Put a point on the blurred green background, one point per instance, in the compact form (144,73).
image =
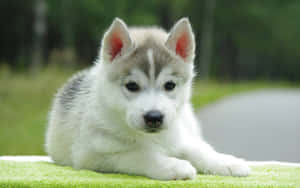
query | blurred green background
(241,46)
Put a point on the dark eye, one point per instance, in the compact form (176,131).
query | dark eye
(169,86)
(132,86)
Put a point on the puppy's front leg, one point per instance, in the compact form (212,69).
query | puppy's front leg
(208,161)
(153,165)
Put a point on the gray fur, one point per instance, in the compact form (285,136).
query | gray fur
(161,57)
(138,59)
(72,89)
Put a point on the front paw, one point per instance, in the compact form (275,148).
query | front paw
(226,165)
(176,169)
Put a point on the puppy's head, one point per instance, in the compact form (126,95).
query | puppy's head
(147,73)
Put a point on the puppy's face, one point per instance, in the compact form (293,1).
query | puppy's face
(151,81)
(155,88)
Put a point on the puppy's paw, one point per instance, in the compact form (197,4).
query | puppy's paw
(239,168)
(183,170)
(227,165)
(178,170)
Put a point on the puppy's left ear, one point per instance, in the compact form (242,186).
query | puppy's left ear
(181,40)
(116,41)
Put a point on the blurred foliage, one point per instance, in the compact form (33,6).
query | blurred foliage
(252,39)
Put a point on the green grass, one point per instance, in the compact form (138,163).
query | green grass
(26,99)
(42,174)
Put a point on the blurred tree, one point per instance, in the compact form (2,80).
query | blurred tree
(39,34)
(16,32)
(206,48)
(67,21)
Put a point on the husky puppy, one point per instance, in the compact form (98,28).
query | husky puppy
(131,113)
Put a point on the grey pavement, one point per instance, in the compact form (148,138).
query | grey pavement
(260,125)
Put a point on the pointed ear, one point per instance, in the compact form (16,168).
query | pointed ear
(181,40)
(116,41)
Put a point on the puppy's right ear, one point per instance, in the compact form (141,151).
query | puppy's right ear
(181,40)
(116,41)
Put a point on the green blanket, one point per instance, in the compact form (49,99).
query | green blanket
(43,174)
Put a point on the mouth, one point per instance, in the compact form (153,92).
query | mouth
(152,130)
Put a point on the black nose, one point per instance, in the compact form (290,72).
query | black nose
(153,119)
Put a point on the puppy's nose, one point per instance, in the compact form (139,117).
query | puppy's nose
(153,119)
